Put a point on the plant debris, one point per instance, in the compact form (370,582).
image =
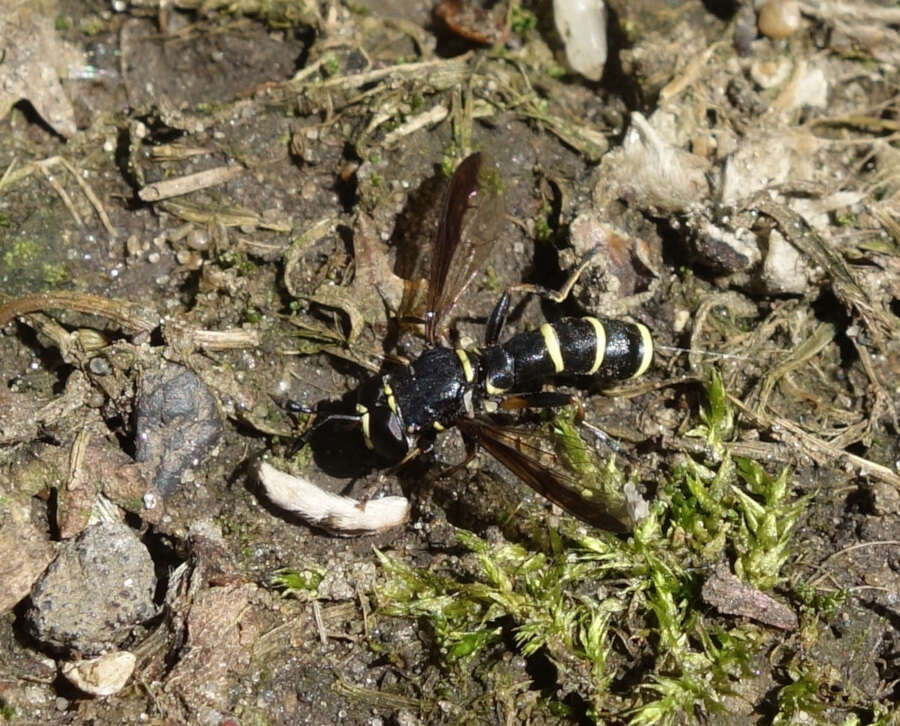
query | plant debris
(729,595)
(242,195)
(34,59)
(342,516)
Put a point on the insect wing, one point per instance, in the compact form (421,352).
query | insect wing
(529,456)
(471,218)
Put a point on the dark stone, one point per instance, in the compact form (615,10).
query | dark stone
(177,424)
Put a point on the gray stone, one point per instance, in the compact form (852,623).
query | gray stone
(99,587)
(177,424)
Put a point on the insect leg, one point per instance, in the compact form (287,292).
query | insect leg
(542,399)
(496,320)
(471,450)
(303,439)
(412,454)
(555,399)
(498,315)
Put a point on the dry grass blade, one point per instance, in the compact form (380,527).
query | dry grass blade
(804,352)
(44,166)
(814,447)
(126,314)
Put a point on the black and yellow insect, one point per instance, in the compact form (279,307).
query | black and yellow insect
(401,412)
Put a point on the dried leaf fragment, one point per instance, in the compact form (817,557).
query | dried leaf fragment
(730,596)
(34,60)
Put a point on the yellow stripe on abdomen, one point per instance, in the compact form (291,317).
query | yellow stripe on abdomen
(551,341)
(646,350)
(600,342)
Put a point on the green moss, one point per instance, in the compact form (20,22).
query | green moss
(416,103)
(54,274)
(448,164)
(769,514)
(93,25)
(491,282)
(231,259)
(522,20)
(301,582)
(7,710)
(36,475)
(331,67)
(21,253)
(543,232)
(28,263)
(554,70)
(716,417)
(824,604)
(585,593)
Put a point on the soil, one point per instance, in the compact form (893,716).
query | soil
(742,189)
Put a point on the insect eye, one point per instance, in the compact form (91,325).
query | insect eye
(387,434)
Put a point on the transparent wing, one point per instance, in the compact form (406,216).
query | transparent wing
(471,218)
(555,469)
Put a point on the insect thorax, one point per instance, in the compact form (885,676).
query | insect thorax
(434,388)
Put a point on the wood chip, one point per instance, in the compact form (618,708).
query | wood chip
(730,596)
(190,183)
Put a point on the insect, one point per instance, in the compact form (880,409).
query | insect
(401,412)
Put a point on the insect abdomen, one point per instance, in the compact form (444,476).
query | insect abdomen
(609,349)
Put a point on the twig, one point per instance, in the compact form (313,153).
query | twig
(62,193)
(189,183)
(126,314)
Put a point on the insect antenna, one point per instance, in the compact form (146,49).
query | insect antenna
(303,439)
(697,351)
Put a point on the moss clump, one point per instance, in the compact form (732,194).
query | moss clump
(622,620)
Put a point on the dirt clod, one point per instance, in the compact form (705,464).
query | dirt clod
(98,588)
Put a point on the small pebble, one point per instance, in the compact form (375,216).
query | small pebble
(198,239)
(582,26)
(101,676)
(98,588)
(779,19)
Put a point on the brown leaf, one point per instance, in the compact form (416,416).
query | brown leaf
(34,60)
